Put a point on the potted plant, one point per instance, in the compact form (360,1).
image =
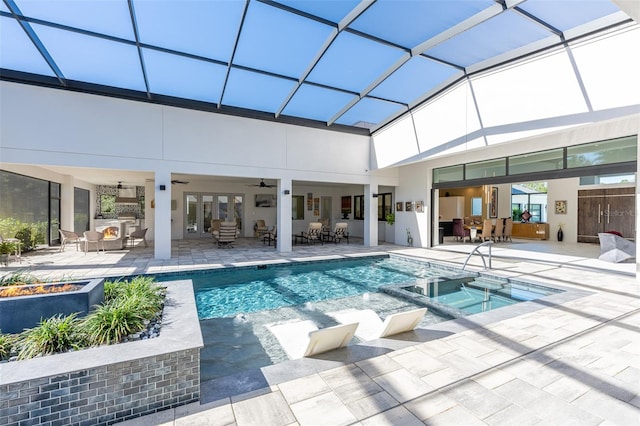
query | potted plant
(6,248)
(389,232)
(391,218)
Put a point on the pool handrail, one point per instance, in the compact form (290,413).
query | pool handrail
(477,249)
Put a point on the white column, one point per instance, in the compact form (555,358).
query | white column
(67,200)
(162,215)
(284,215)
(370,216)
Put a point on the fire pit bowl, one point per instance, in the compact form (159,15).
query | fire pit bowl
(20,312)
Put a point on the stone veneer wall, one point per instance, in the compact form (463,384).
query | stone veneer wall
(112,383)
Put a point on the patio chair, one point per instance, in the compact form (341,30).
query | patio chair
(459,230)
(215,228)
(93,237)
(227,234)
(140,234)
(271,235)
(371,327)
(303,338)
(614,248)
(68,237)
(261,227)
(340,232)
(314,233)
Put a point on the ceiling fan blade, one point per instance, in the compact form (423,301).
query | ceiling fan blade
(182,182)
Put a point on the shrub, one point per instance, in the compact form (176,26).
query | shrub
(128,307)
(18,278)
(113,321)
(7,341)
(148,293)
(56,334)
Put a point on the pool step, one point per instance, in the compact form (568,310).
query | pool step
(490,283)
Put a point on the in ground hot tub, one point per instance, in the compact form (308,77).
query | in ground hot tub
(20,312)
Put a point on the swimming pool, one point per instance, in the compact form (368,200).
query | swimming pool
(227,293)
(235,305)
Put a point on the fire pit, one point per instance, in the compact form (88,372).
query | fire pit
(24,306)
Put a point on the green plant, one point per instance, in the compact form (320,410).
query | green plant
(128,305)
(18,278)
(7,341)
(7,247)
(26,238)
(114,320)
(390,218)
(515,214)
(55,334)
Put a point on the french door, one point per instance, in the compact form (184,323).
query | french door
(200,208)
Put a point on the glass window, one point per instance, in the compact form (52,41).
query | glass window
(605,152)
(607,179)
(80,210)
(530,196)
(25,208)
(297,207)
(384,205)
(485,169)
(107,203)
(448,174)
(476,206)
(536,162)
(358,206)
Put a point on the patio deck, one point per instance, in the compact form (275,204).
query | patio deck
(571,362)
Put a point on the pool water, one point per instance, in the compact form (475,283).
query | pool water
(472,295)
(235,305)
(229,293)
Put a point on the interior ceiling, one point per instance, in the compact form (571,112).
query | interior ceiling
(347,64)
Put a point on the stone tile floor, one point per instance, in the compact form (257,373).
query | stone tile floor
(557,362)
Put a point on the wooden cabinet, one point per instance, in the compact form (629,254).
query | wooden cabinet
(600,210)
(535,231)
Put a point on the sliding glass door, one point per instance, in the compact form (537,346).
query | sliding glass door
(201,208)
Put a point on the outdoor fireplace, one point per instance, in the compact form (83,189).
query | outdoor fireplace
(45,301)
(111,232)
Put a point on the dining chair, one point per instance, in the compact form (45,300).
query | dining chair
(508,229)
(487,230)
(498,229)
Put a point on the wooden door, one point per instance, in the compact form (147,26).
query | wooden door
(611,209)
(590,214)
(620,211)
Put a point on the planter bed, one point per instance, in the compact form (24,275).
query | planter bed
(106,384)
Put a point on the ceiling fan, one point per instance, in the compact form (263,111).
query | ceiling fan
(181,182)
(262,184)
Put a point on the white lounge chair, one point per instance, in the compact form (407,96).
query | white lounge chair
(372,327)
(303,338)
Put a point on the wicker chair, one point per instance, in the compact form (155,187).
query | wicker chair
(68,237)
